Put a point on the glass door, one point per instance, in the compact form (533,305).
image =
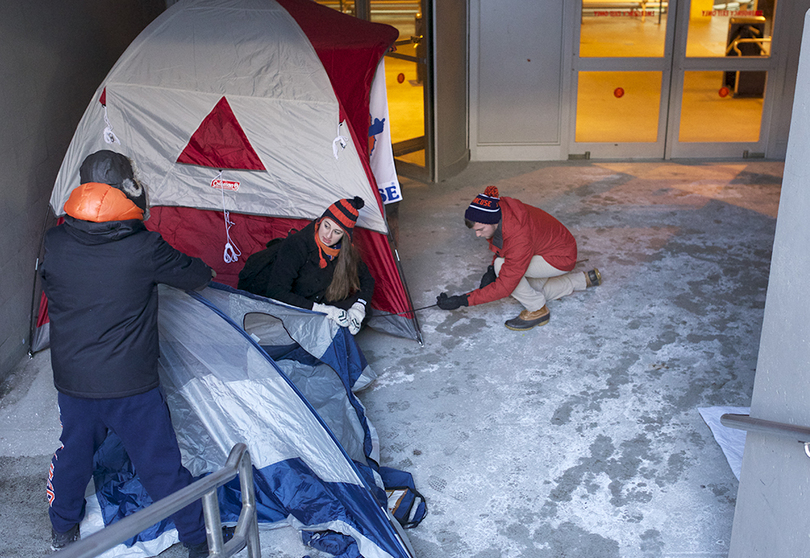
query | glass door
(722,69)
(622,72)
(657,79)
(406,76)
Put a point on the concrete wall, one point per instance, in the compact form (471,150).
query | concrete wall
(772,516)
(53,55)
(519,54)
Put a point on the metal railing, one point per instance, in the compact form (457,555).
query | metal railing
(245,534)
(760,42)
(799,434)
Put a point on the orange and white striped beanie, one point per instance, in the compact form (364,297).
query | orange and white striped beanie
(344,213)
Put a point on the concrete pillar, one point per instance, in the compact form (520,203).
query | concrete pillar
(772,516)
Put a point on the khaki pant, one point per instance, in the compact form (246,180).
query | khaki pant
(543,282)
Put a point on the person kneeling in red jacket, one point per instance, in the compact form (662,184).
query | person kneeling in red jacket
(529,244)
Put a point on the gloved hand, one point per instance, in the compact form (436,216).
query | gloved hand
(337,315)
(356,314)
(451,302)
(488,278)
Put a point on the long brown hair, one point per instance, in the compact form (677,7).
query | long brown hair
(346,280)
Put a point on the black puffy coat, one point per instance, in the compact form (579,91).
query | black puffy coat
(297,278)
(101,282)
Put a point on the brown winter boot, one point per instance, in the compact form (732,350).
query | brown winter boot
(593,278)
(527,320)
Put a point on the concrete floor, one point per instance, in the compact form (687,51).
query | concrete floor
(578,439)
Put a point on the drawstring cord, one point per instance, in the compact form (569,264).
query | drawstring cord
(406,312)
(339,141)
(109,135)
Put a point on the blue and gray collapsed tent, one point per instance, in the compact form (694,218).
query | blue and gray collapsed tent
(242,368)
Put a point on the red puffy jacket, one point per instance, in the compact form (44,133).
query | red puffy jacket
(527,231)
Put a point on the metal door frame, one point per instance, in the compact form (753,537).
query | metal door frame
(681,64)
(363,11)
(672,66)
(426,141)
(626,150)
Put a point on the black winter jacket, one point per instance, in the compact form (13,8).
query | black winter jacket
(297,278)
(101,283)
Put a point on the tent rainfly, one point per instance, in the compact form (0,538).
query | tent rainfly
(280,379)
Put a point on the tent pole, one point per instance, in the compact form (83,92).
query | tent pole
(392,245)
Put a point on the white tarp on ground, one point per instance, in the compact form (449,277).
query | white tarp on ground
(731,440)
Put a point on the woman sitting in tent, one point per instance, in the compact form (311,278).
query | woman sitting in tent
(319,268)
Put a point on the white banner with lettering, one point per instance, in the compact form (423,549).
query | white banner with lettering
(379,138)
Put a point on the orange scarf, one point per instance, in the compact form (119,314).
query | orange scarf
(332,253)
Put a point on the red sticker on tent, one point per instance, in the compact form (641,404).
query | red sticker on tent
(225,184)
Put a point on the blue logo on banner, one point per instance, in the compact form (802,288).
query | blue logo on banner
(376,128)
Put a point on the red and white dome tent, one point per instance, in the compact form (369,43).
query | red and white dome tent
(246,118)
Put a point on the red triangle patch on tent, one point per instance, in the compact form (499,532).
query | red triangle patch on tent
(219,142)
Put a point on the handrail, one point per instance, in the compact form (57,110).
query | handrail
(799,434)
(755,40)
(247,527)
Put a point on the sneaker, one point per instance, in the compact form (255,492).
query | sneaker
(61,540)
(527,320)
(200,550)
(593,278)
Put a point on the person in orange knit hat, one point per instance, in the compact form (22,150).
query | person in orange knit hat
(319,268)
(530,246)
(100,274)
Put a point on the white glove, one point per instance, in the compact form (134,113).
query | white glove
(337,315)
(356,314)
